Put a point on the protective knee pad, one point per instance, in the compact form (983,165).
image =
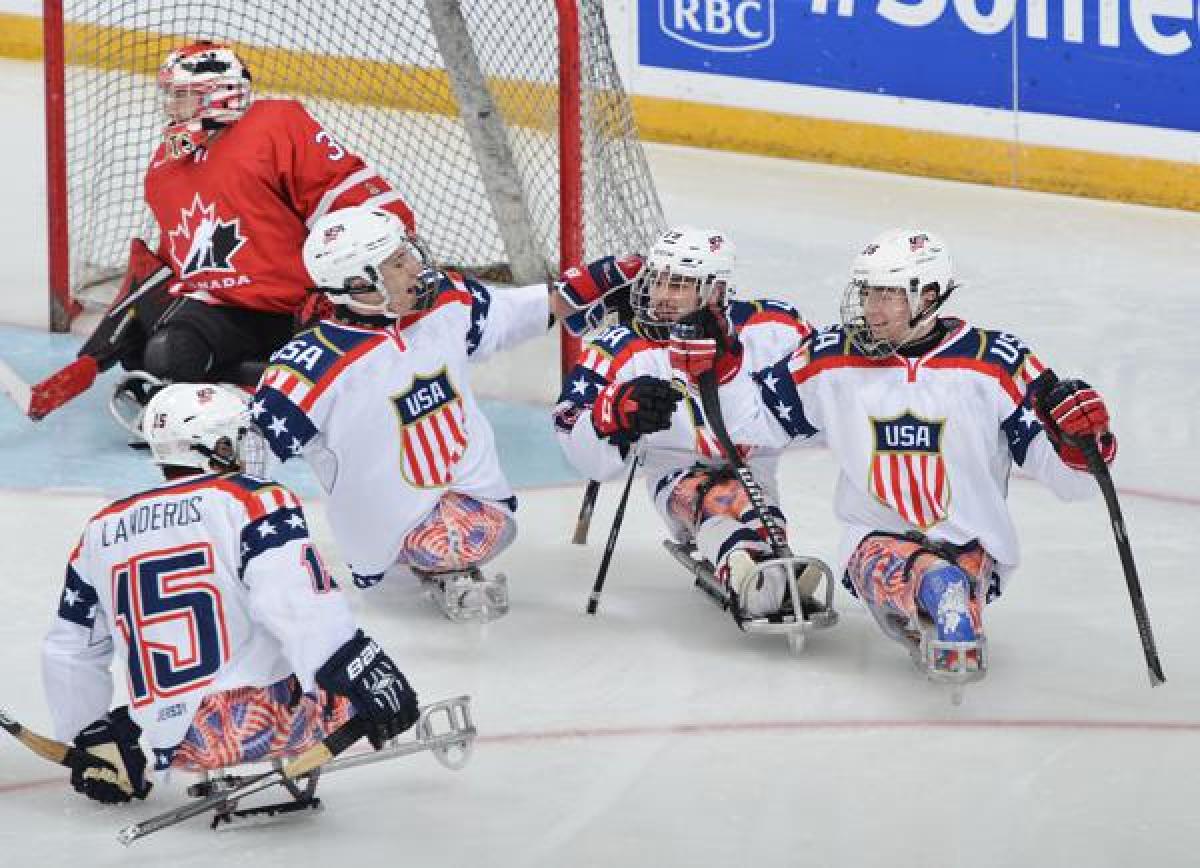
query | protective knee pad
(945,595)
(178,354)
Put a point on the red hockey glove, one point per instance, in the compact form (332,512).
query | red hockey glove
(1072,412)
(583,287)
(705,341)
(625,411)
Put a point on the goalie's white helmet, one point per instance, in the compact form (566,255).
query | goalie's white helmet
(687,269)
(908,261)
(204,87)
(345,249)
(204,426)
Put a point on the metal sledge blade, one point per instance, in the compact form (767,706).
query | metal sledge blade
(444,728)
(790,625)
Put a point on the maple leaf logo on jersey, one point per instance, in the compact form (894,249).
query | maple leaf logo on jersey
(203,241)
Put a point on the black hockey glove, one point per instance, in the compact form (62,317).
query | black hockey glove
(623,412)
(113,769)
(364,674)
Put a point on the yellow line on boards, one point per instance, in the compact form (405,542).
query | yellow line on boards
(874,146)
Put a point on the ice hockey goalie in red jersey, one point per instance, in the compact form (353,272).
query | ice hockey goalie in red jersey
(233,186)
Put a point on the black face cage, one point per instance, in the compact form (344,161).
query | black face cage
(642,304)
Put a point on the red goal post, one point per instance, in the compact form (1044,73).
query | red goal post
(505,124)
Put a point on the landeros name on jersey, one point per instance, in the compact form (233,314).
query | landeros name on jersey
(203,241)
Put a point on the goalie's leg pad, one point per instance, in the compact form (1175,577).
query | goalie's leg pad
(249,724)
(460,532)
(178,353)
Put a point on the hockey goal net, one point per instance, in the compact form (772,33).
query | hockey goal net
(503,122)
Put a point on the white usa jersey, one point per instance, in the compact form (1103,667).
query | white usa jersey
(386,417)
(923,444)
(767,329)
(200,585)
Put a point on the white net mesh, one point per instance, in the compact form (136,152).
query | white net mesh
(373,73)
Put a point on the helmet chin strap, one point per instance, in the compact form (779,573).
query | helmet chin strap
(930,309)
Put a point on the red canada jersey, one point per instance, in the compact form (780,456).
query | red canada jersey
(233,216)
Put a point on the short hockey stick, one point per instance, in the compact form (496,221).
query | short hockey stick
(315,756)
(46,748)
(458,737)
(14,385)
(584,522)
(1099,470)
(601,574)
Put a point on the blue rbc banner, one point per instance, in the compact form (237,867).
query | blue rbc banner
(1131,61)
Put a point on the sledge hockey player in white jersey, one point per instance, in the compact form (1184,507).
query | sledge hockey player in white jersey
(378,401)
(925,415)
(238,645)
(635,388)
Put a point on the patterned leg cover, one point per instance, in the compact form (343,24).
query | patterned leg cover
(715,511)
(899,579)
(249,724)
(459,533)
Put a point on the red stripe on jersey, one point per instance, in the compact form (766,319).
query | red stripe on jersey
(807,372)
(411,457)
(457,294)
(913,468)
(988,369)
(636,345)
(897,495)
(762,317)
(441,440)
(426,446)
(169,491)
(939,485)
(877,477)
(460,436)
(337,367)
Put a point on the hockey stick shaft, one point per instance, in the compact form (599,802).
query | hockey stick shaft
(315,756)
(1137,599)
(46,748)
(14,385)
(584,522)
(602,573)
(710,401)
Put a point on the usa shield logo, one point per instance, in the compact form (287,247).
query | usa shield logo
(433,431)
(907,471)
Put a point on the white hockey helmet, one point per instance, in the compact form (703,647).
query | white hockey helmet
(910,260)
(204,87)
(682,258)
(345,248)
(204,426)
